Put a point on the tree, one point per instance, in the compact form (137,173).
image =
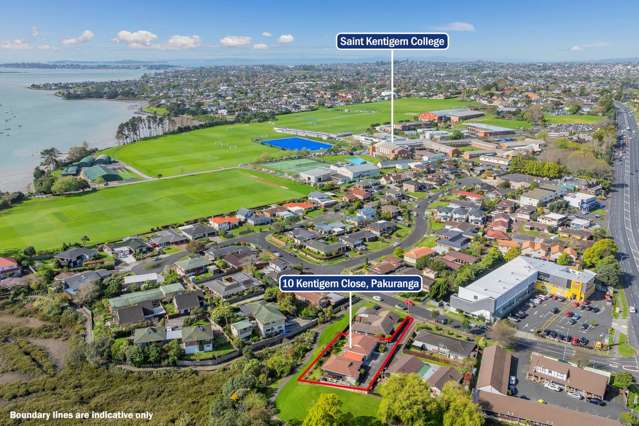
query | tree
(600,249)
(622,380)
(534,115)
(49,158)
(86,294)
(608,271)
(503,333)
(68,184)
(327,411)
(222,311)
(270,294)
(398,252)
(459,409)
(512,253)
(564,259)
(629,418)
(406,400)
(135,355)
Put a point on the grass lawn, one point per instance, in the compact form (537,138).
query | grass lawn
(429,241)
(156,110)
(113,213)
(625,349)
(573,119)
(230,145)
(295,399)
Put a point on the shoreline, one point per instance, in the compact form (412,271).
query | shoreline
(17,176)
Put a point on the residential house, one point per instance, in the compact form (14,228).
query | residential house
(74,257)
(132,246)
(186,302)
(417,254)
(198,338)
(455,260)
(197,231)
(449,347)
(387,266)
(326,249)
(358,238)
(537,197)
(232,285)
(152,278)
(74,283)
(244,214)
(192,265)
(451,240)
(242,329)
(168,237)
(322,199)
(224,223)
(375,322)
(269,319)
(382,228)
(9,268)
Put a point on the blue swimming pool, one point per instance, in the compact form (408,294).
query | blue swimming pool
(297,144)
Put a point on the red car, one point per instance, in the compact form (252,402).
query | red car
(568,314)
(575,341)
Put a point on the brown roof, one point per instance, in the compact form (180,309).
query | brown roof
(362,345)
(443,375)
(543,414)
(495,369)
(405,364)
(343,366)
(314,298)
(578,378)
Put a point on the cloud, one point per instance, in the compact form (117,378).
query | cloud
(35,31)
(46,47)
(136,39)
(286,38)
(581,47)
(82,38)
(261,46)
(267,34)
(14,44)
(457,26)
(183,42)
(235,41)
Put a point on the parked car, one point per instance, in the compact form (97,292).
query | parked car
(568,314)
(555,310)
(553,386)
(575,395)
(513,380)
(377,298)
(596,401)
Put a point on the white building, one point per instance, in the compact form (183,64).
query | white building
(582,201)
(497,293)
(358,171)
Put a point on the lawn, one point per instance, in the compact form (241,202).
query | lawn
(295,399)
(229,145)
(116,212)
(573,119)
(334,159)
(625,349)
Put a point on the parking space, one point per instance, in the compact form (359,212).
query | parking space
(536,391)
(591,321)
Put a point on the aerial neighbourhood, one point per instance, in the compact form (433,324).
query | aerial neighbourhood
(147,273)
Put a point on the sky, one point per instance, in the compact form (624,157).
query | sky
(303,31)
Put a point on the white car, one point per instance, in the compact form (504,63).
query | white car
(632,309)
(575,395)
(553,386)
(513,380)
(377,298)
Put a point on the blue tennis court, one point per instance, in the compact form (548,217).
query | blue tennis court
(297,144)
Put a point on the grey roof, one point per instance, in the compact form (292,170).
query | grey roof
(456,346)
(73,253)
(73,283)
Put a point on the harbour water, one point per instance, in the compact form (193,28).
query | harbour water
(32,120)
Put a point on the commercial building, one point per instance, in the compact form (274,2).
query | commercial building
(495,294)
(358,171)
(480,130)
(456,115)
(587,382)
(491,394)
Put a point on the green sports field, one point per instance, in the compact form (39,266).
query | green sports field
(230,145)
(573,119)
(113,213)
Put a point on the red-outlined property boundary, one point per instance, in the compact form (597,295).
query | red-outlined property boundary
(402,329)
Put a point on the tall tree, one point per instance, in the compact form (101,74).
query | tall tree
(327,411)
(459,409)
(50,158)
(406,400)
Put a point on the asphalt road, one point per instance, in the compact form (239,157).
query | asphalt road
(624,211)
